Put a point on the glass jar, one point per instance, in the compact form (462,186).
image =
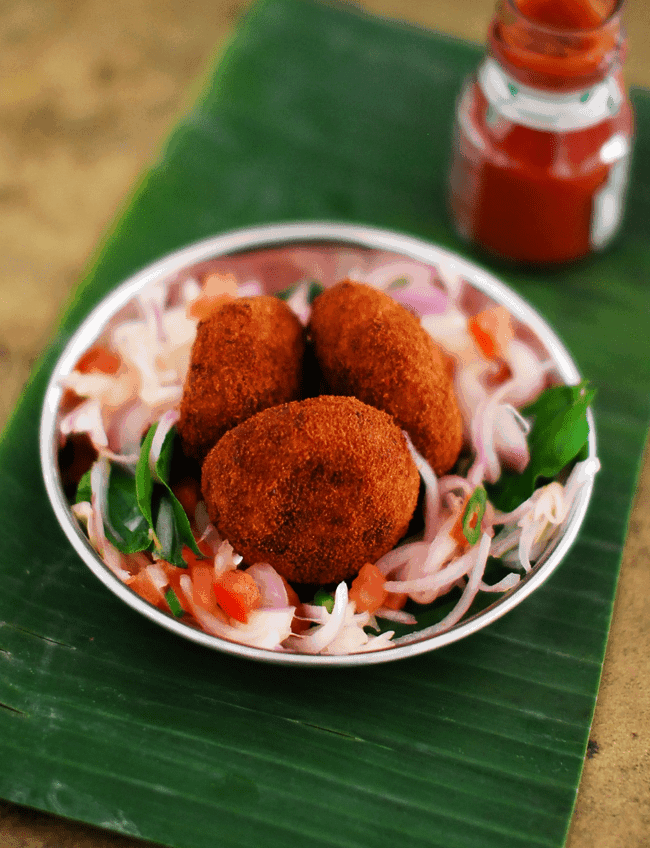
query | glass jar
(544,132)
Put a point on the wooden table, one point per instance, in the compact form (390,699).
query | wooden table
(87,92)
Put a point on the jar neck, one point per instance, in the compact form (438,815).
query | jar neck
(558,45)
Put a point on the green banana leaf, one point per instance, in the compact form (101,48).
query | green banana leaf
(318,111)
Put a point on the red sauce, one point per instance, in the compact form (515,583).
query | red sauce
(567,14)
(543,133)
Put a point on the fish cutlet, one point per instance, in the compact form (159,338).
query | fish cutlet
(373,348)
(247,356)
(316,487)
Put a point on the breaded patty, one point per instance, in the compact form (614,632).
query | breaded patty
(373,348)
(246,357)
(316,487)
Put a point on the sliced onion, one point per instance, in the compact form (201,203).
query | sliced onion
(377,643)
(508,582)
(436,581)
(470,591)
(424,300)
(314,642)
(252,288)
(226,559)
(272,589)
(158,578)
(398,556)
(528,373)
(398,616)
(431,492)
(387,273)
(165,424)
(86,418)
(510,444)
(298,302)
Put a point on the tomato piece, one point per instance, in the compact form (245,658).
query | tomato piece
(367,590)
(395,600)
(217,290)
(492,330)
(99,359)
(237,594)
(202,575)
(141,584)
(192,559)
(299,623)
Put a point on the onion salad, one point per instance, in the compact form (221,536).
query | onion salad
(480,529)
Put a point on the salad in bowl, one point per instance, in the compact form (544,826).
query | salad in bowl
(318,444)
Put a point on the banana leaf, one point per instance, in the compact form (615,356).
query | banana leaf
(318,111)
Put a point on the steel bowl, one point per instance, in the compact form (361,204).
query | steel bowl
(319,234)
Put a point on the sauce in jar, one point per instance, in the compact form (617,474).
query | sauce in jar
(543,133)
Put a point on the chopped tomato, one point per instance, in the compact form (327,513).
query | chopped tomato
(299,623)
(395,600)
(367,590)
(98,359)
(188,492)
(141,583)
(237,594)
(202,576)
(492,330)
(217,290)
(191,558)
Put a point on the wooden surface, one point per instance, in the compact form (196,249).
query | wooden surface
(88,91)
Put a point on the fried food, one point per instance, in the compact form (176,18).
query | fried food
(316,487)
(373,348)
(246,357)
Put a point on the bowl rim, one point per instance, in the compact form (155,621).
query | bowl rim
(274,236)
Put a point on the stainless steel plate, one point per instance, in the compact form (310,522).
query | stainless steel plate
(274,236)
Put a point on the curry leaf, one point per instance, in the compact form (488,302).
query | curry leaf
(130,526)
(84,491)
(558,435)
(144,482)
(162,466)
(170,542)
(154,494)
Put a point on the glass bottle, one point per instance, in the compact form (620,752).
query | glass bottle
(544,132)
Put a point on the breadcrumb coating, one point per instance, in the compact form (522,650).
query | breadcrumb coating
(373,348)
(316,487)
(246,357)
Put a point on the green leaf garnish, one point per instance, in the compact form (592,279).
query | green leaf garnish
(170,543)
(162,510)
(174,604)
(127,528)
(314,288)
(324,599)
(84,491)
(163,465)
(559,434)
(144,477)
(473,515)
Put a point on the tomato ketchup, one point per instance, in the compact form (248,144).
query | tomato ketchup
(544,132)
